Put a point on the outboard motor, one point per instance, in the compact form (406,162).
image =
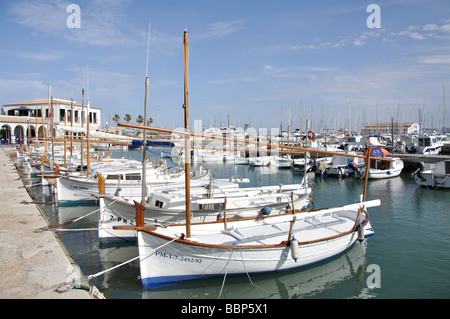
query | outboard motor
(352,169)
(420,166)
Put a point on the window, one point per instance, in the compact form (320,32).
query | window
(115,177)
(133,177)
(62,114)
(77,119)
(159,204)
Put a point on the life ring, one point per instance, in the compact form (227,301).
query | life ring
(311,135)
(346,133)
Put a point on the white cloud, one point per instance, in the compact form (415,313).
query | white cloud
(221,29)
(101,21)
(39,56)
(437,59)
(29,89)
(296,71)
(243,79)
(340,42)
(431,27)
(358,42)
(428,31)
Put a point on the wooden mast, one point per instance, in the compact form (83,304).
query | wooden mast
(187,136)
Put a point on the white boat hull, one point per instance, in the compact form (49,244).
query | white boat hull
(120,212)
(165,259)
(428,179)
(438,176)
(394,169)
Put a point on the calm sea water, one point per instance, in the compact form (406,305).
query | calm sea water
(408,257)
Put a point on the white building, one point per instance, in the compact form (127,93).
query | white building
(20,121)
(386,128)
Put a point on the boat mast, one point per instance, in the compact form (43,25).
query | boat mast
(88,118)
(187,136)
(443,93)
(144,132)
(82,126)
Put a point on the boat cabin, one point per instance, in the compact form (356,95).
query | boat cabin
(428,145)
(442,168)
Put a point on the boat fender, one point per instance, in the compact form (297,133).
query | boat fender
(360,233)
(118,192)
(266,210)
(288,207)
(219,216)
(295,253)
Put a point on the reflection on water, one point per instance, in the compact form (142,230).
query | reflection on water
(410,246)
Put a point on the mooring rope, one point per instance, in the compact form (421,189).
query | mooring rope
(245,268)
(441,182)
(132,259)
(226,271)
(248,275)
(77,281)
(52,227)
(77,229)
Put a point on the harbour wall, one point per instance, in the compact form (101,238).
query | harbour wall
(32,264)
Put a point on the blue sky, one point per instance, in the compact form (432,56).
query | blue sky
(254,61)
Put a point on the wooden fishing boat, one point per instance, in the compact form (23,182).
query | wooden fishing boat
(207,204)
(268,244)
(124,180)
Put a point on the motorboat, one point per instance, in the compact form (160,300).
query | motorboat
(379,169)
(428,145)
(433,175)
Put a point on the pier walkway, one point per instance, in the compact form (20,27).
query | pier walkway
(32,264)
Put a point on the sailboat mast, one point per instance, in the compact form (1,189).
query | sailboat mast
(144,132)
(186,137)
(443,93)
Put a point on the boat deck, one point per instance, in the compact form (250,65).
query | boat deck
(308,227)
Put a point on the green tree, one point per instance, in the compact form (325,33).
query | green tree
(116,118)
(139,119)
(150,122)
(127,118)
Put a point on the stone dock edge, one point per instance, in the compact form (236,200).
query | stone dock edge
(33,265)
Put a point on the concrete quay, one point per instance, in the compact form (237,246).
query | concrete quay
(32,264)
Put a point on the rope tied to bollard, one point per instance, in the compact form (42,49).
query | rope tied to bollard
(77,283)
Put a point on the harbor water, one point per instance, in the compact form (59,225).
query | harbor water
(408,257)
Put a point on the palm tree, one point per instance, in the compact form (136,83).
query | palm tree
(150,121)
(127,118)
(116,118)
(139,119)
